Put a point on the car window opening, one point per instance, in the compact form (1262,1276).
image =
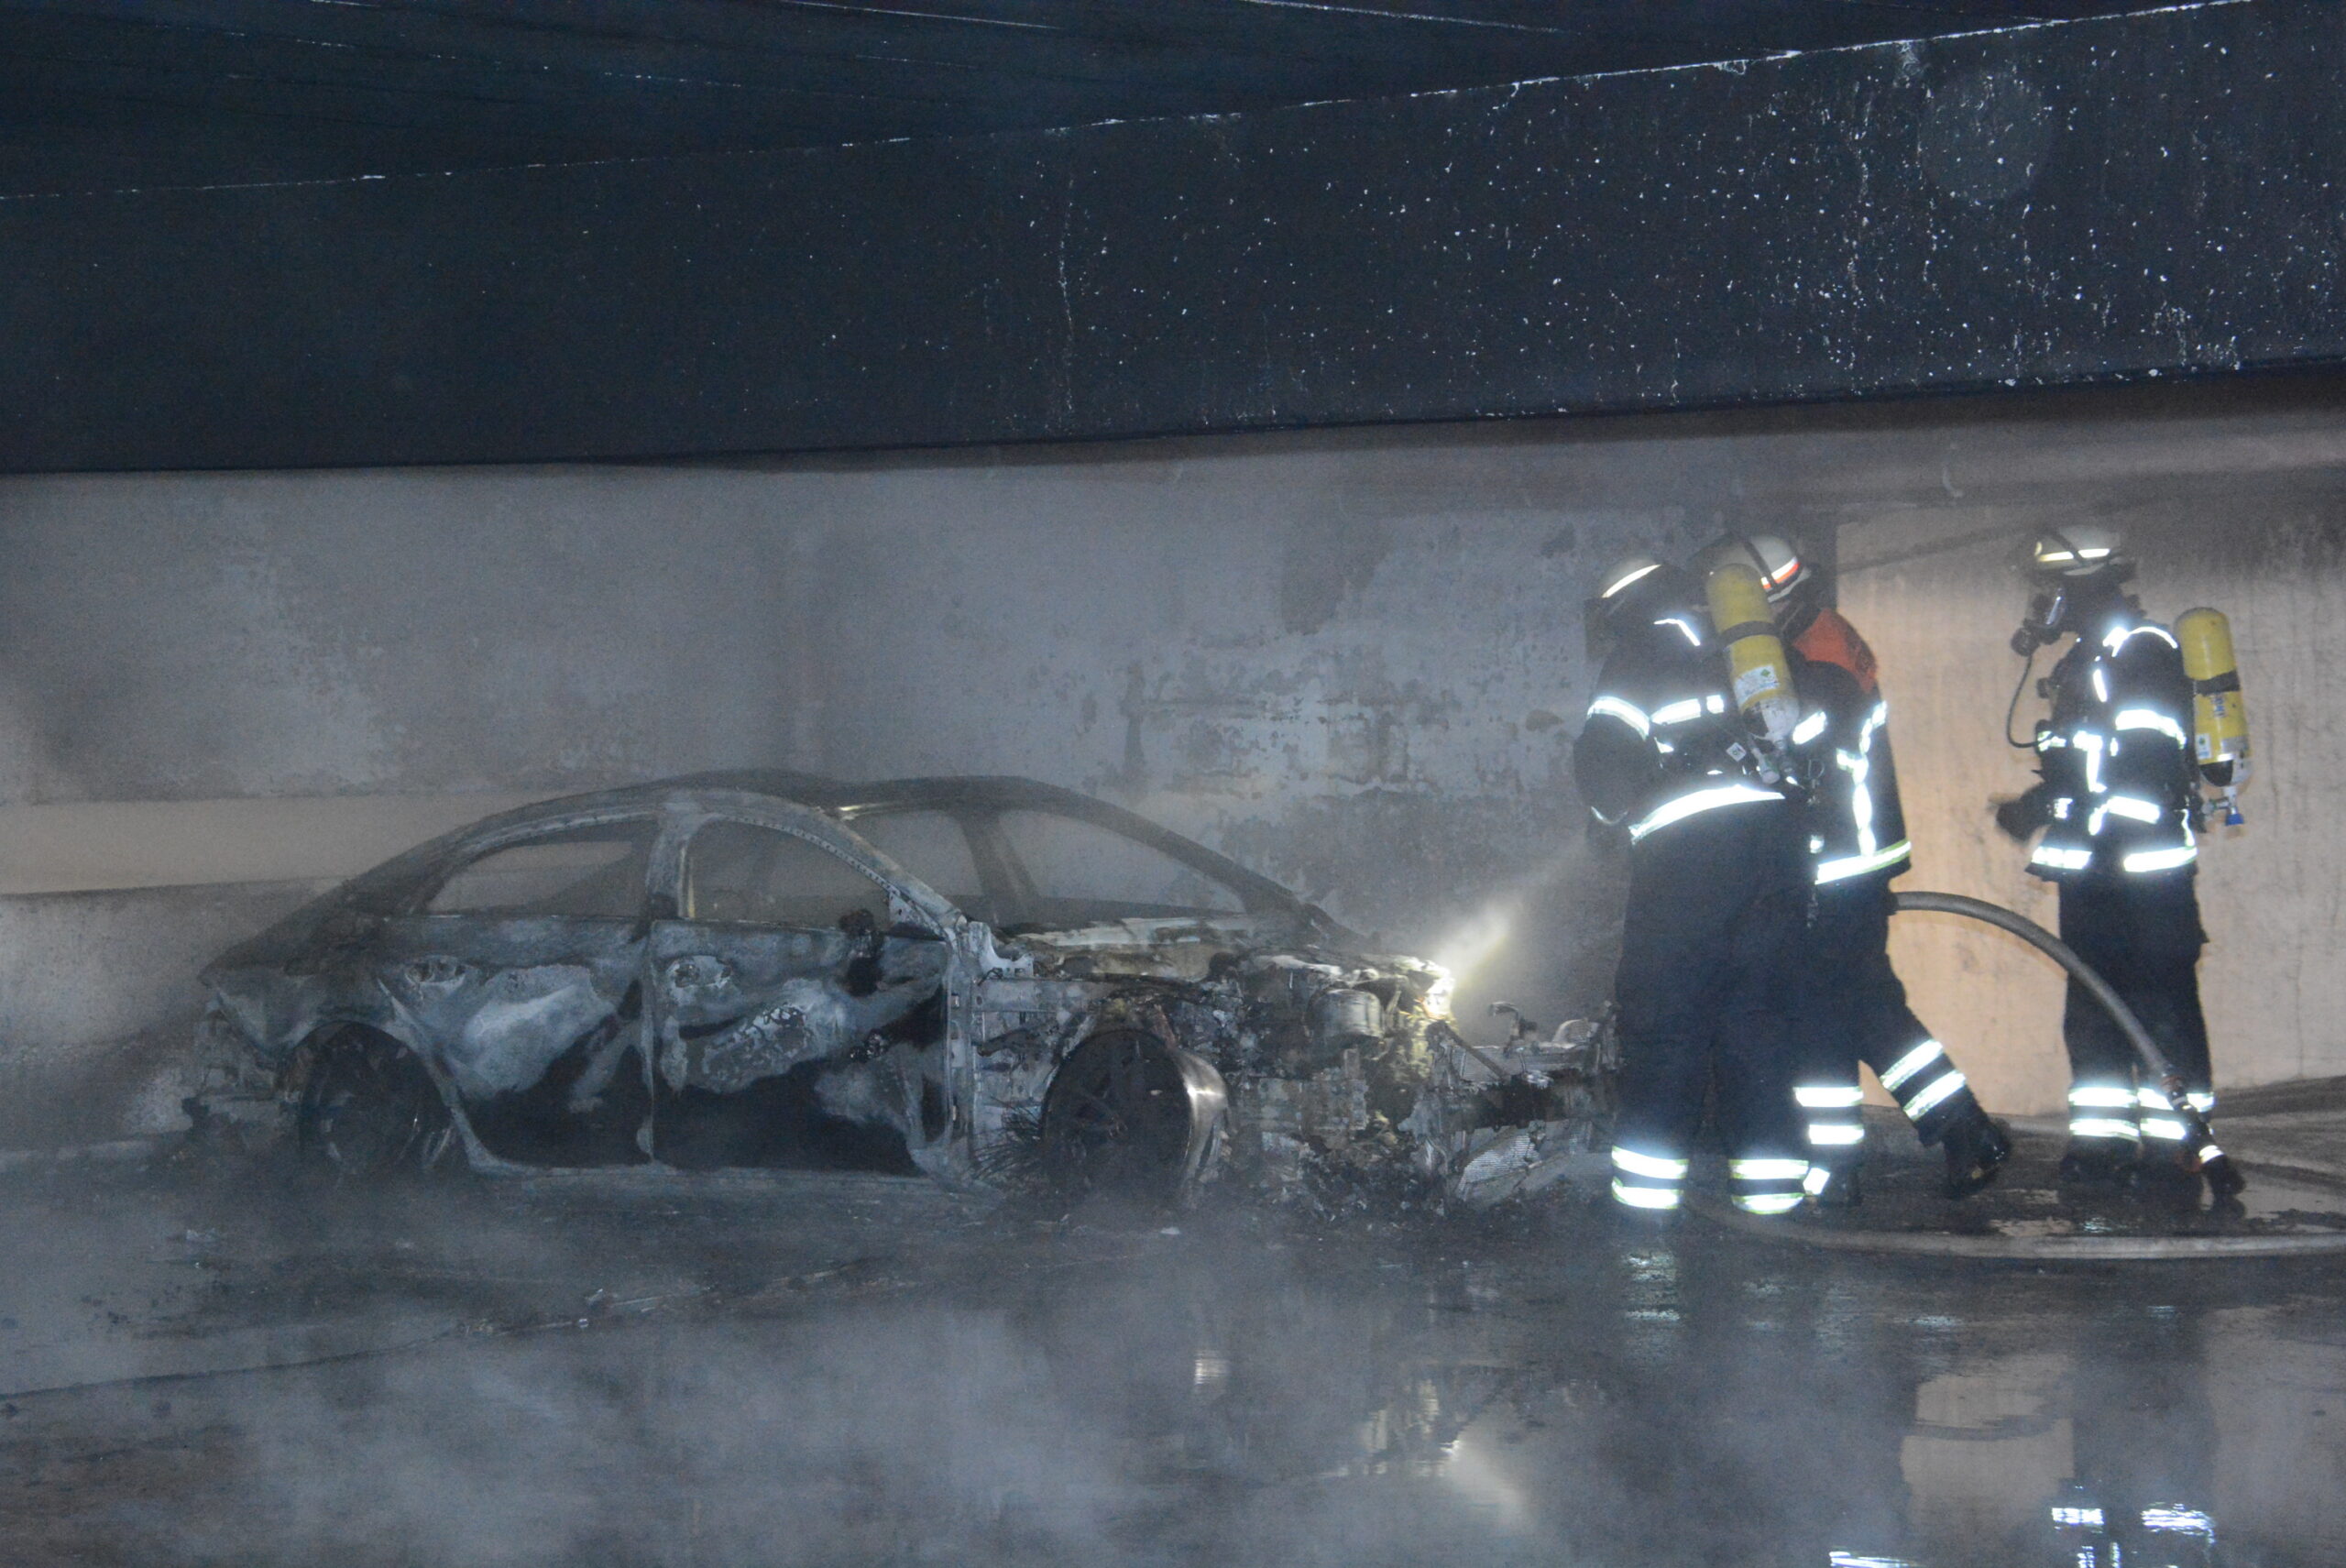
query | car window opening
(582,874)
(740,873)
(1076,872)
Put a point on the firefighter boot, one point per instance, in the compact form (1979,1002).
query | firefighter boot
(1835,1184)
(2096,1162)
(1976,1149)
(2167,1180)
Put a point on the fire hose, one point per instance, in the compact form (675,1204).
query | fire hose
(2224,1180)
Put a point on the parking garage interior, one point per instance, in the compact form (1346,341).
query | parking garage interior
(1221,410)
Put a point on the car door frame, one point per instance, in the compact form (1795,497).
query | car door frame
(393,953)
(944,1156)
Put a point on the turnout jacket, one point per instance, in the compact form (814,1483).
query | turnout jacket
(1663,743)
(1857,824)
(2117,792)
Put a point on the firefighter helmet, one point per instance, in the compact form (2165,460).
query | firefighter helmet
(1636,586)
(1625,573)
(2078,573)
(2077,550)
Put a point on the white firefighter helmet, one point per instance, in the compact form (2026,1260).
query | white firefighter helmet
(2077,550)
(1771,556)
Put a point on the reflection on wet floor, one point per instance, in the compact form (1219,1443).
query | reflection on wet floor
(773,1379)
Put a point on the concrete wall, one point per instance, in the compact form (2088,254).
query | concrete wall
(1353,661)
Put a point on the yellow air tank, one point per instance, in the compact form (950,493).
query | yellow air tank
(1760,671)
(2219,717)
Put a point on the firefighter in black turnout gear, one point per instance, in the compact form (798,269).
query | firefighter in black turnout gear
(2117,802)
(1718,895)
(1850,1006)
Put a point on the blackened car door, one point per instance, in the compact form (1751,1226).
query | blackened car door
(791,1005)
(518,978)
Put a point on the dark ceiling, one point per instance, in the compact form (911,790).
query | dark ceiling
(100,94)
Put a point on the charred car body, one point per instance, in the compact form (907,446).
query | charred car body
(989,980)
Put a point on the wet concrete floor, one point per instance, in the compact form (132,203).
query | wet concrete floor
(807,1370)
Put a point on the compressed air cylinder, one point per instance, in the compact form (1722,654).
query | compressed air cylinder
(2219,717)
(1760,671)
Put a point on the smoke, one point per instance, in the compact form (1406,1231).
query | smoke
(967,1391)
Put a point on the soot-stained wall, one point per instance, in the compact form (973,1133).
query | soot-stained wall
(171,638)
(1353,661)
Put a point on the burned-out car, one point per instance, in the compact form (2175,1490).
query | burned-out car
(990,981)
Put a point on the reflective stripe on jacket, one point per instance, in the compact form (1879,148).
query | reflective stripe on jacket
(1857,823)
(2116,758)
(1662,742)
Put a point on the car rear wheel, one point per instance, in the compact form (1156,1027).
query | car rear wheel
(1131,1115)
(368,1110)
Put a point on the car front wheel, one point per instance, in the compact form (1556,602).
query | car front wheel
(1129,1115)
(368,1110)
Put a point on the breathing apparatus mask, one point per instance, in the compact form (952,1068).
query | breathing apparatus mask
(2075,571)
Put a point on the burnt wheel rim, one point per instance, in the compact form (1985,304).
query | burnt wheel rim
(1118,1117)
(369,1110)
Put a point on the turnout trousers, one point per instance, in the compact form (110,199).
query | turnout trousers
(1853,1009)
(2141,932)
(1717,915)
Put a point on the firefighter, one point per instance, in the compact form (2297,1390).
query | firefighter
(1717,898)
(2115,801)
(1852,1006)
